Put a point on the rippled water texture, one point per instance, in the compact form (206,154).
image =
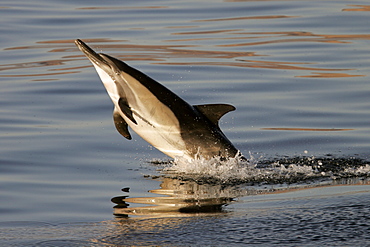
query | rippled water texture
(297,72)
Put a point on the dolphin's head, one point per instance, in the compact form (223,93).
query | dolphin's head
(106,69)
(96,59)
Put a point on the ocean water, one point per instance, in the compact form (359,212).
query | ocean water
(296,71)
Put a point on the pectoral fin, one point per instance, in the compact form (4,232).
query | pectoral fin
(125,108)
(121,124)
(214,111)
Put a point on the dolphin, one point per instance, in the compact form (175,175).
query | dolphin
(159,116)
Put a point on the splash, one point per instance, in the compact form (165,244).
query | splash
(258,171)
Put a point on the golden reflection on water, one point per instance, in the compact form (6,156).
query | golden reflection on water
(191,49)
(358,8)
(276,37)
(71,41)
(306,129)
(204,33)
(121,7)
(328,75)
(161,53)
(180,198)
(272,65)
(248,18)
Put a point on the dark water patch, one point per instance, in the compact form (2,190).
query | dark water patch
(336,167)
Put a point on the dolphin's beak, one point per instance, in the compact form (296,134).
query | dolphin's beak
(94,57)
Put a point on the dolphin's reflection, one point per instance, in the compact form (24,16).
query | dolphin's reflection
(180,198)
(184,198)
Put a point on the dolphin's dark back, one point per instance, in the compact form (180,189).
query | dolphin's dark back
(179,106)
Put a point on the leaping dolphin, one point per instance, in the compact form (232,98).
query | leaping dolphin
(159,116)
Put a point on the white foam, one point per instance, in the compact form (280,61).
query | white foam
(233,170)
(358,171)
(236,170)
(224,170)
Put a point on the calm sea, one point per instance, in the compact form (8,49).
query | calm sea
(297,71)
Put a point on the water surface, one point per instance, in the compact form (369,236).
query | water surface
(297,72)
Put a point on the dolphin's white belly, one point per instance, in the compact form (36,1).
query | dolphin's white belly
(155,122)
(165,138)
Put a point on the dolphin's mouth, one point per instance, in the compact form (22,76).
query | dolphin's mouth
(94,57)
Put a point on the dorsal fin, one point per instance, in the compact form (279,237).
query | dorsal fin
(214,111)
(121,124)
